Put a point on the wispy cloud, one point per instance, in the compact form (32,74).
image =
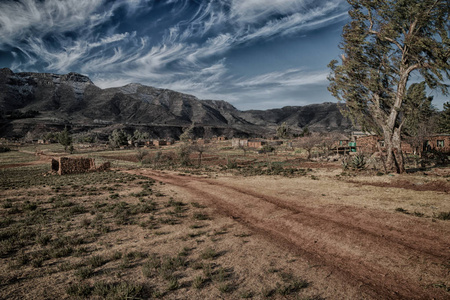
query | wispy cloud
(25,18)
(97,38)
(292,77)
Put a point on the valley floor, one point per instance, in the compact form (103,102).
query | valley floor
(137,232)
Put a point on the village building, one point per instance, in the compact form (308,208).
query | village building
(256,144)
(237,143)
(439,142)
(202,141)
(371,143)
(159,143)
(75,165)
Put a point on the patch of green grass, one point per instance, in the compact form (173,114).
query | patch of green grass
(209,253)
(118,290)
(200,216)
(43,239)
(198,282)
(247,294)
(84,272)
(197,205)
(173,284)
(225,287)
(96,261)
(79,290)
(290,284)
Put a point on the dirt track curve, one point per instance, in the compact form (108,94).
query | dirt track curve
(361,246)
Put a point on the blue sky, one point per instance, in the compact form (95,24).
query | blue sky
(255,54)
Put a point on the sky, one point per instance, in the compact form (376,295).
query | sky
(255,54)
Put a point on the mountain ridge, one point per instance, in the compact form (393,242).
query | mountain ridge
(73,99)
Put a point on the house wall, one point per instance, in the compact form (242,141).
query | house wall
(69,165)
(256,144)
(367,144)
(75,165)
(433,142)
(158,143)
(236,143)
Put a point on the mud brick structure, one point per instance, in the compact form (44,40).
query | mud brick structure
(439,142)
(66,165)
(236,143)
(104,166)
(256,144)
(368,144)
(159,143)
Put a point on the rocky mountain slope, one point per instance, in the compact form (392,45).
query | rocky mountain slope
(73,100)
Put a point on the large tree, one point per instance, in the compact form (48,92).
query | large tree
(444,119)
(385,43)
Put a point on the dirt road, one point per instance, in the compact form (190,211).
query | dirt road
(385,255)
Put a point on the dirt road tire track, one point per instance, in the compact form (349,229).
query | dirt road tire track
(365,252)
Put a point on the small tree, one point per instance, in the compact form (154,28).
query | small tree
(305,132)
(28,137)
(188,134)
(139,136)
(184,153)
(140,154)
(283,131)
(310,142)
(200,149)
(118,138)
(65,139)
(329,140)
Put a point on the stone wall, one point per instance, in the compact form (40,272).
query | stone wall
(69,165)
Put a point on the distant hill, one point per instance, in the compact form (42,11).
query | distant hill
(40,102)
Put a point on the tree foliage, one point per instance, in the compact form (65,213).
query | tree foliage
(65,139)
(444,119)
(188,134)
(385,43)
(418,110)
(139,136)
(118,138)
(283,131)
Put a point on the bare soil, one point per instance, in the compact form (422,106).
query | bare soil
(355,244)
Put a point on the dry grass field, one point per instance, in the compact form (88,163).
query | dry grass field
(241,225)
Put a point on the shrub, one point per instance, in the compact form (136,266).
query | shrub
(184,152)
(84,272)
(266,149)
(209,253)
(443,215)
(358,162)
(4,149)
(79,290)
(198,282)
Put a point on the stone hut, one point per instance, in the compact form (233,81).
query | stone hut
(75,165)
(256,144)
(159,143)
(236,143)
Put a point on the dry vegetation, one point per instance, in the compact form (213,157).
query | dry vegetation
(154,229)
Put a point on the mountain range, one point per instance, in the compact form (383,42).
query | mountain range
(44,102)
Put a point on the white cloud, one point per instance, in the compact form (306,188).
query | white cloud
(190,55)
(292,77)
(25,18)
